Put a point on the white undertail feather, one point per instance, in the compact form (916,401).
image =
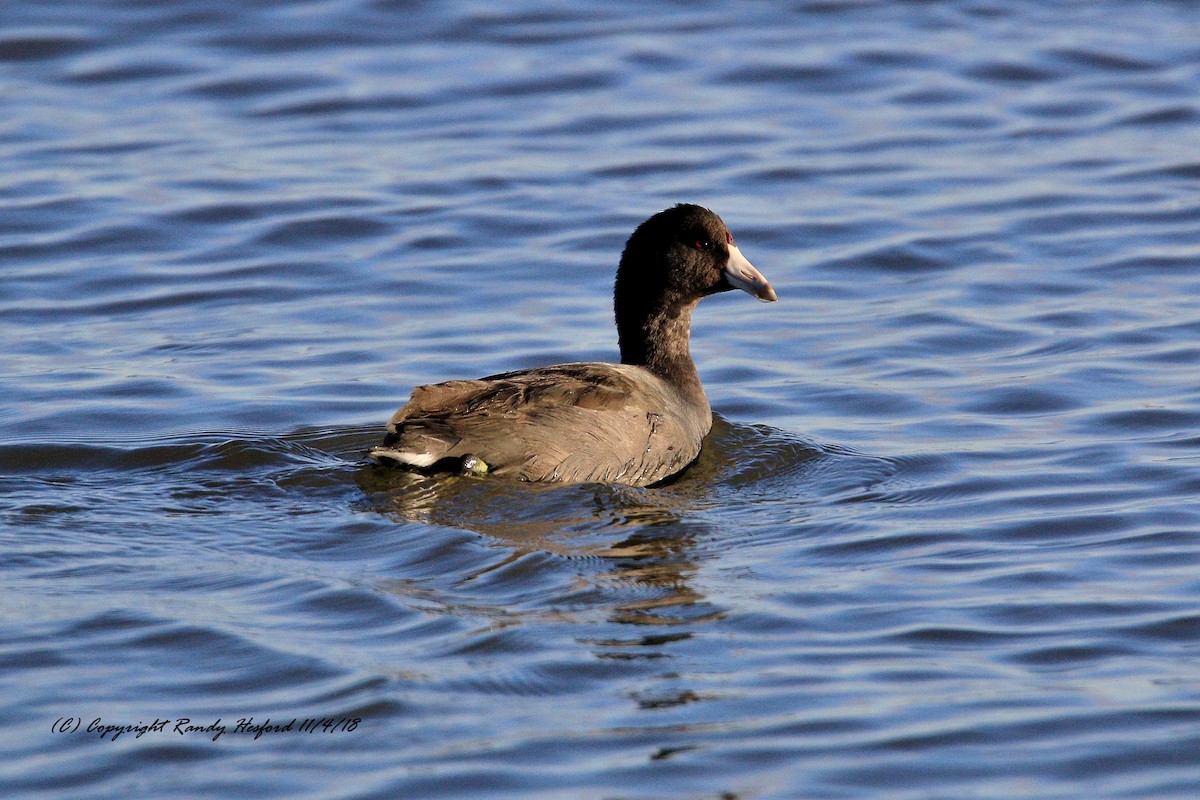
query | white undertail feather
(411,459)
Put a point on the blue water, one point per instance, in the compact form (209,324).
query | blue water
(943,542)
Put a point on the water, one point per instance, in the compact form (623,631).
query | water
(941,543)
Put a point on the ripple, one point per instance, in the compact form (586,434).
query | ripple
(1177,629)
(1144,420)
(818,78)
(322,229)
(1169,115)
(902,259)
(119,71)
(1008,72)
(1103,61)
(1069,530)
(322,107)
(241,87)
(39,45)
(543,84)
(526,27)
(1019,400)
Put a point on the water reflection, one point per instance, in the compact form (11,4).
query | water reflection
(636,550)
(637,539)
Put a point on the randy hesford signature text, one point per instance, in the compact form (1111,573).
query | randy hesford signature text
(184,726)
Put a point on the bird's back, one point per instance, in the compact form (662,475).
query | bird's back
(569,423)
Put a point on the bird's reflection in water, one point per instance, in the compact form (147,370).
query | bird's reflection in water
(640,535)
(632,552)
(554,586)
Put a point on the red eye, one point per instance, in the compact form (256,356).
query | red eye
(703,245)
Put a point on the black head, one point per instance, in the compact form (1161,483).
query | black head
(682,254)
(670,262)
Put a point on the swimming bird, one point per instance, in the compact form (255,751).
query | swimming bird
(637,422)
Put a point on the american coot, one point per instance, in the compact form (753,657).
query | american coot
(636,422)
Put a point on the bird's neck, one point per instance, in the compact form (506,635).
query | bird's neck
(658,339)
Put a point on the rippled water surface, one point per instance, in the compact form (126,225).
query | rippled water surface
(944,540)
